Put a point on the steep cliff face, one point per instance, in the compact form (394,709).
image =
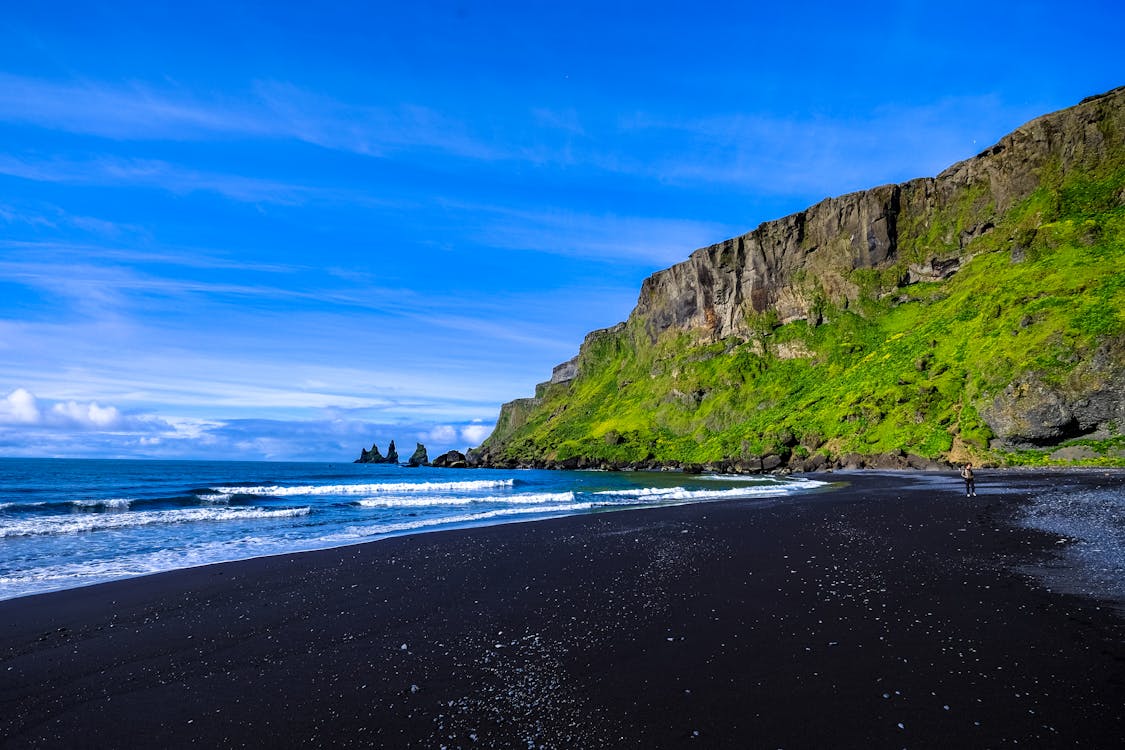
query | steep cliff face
(789,265)
(1019,251)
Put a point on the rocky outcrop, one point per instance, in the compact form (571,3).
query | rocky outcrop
(1090,403)
(419,457)
(565,372)
(392,453)
(451,460)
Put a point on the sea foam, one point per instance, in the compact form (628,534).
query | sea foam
(81,523)
(527,498)
(367,489)
(657,494)
(112,503)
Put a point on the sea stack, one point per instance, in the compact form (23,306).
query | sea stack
(372,456)
(419,457)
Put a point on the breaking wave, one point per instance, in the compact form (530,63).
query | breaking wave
(530,498)
(354,533)
(367,489)
(657,494)
(112,503)
(81,523)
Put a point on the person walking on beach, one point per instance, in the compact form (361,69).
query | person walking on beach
(970,481)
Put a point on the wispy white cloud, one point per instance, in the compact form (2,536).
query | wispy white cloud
(566,120)
(269,109)
(186,428)
(752,152)
(153,173)
(106,292)
(134,110)
(115,287)
(369,130)
(816,154)
(110,294)
(64,253)
(608,237)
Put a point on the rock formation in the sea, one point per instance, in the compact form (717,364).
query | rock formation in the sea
(975,314)
(419,457)
(372,456)
(451,460)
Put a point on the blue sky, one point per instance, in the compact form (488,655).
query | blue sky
(288,230)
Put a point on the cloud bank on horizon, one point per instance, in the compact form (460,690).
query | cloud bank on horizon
(275,231)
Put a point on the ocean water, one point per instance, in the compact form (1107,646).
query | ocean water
(68,523)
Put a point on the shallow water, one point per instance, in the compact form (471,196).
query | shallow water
(67,523)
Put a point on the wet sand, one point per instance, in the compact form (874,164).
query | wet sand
(886,613)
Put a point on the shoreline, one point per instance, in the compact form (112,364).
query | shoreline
(825,476)
(778,624)
(443,526)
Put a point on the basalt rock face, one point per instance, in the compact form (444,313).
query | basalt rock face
(709,336)
(790,265)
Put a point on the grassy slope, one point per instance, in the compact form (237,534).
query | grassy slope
(905,368)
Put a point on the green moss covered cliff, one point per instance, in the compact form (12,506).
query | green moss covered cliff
(977,314)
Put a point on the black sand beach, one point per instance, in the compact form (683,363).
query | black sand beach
(887,613)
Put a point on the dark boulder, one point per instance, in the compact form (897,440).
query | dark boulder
(1037,410)
(770,461)
(451,460)
(922,463)
(813,462)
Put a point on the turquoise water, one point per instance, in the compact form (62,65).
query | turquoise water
(67,523)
